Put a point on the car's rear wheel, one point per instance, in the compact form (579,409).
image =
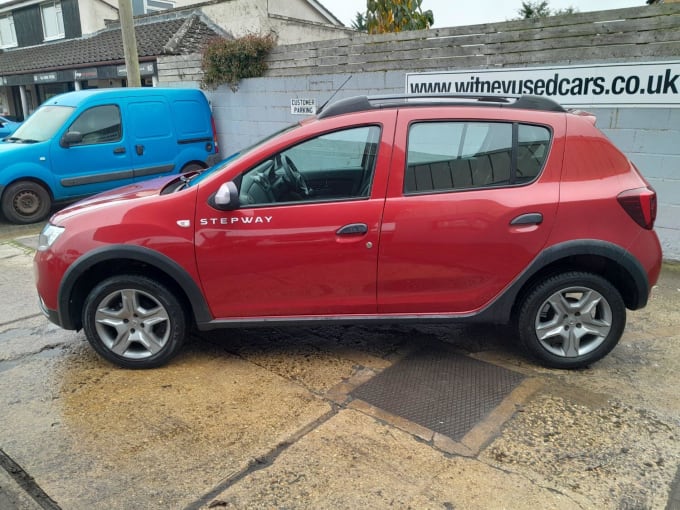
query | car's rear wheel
(26,202)
(134,321)
(571,320)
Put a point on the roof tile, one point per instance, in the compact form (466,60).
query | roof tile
(106,46)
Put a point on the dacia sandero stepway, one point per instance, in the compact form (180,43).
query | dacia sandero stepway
(486,209)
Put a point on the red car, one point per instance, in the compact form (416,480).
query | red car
(378,209)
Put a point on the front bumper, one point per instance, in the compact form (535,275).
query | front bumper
(52,315)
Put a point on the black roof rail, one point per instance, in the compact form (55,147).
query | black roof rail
(366,103)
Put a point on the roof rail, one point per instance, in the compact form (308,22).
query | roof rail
(365,103)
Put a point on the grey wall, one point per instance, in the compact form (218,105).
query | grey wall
(649,136)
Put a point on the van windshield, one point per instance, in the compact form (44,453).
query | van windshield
(42,125)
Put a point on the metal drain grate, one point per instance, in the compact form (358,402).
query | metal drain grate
(441,390)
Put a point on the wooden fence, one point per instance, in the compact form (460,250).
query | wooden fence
(634,34)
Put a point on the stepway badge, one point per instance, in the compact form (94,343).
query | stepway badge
(303,106)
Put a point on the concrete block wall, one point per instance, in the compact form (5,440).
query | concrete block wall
(261,106)
(650,137)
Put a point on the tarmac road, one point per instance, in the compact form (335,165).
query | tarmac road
(265,418)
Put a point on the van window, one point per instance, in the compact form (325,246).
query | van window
(100,124)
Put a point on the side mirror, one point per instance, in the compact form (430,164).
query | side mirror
(71,138)
(226,197)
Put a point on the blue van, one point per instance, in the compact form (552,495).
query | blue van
(84,142)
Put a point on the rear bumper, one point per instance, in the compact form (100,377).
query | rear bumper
(646,249)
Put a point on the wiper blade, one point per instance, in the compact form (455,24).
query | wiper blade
(15,139)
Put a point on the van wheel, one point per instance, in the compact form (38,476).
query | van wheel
(134,321)
(571,320)
(26,202)
(191,167)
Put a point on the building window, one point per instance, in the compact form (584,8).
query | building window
(8,37)
(157,5)
(52,20)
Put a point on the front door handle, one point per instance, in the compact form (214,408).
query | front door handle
(139,149)
(352,229)
(528,219)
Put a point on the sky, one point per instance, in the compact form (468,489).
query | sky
(449,13)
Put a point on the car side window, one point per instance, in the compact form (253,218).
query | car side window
(450,156)
(532,150)
(100,124)
(334,166)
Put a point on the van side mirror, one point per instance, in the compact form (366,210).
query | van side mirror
(71,138)
(226,198)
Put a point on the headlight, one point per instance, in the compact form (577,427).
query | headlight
(48,235)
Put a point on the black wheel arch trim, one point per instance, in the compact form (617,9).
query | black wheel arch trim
(199,306)
(500,310)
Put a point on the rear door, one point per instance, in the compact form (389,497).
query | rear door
(460,224)
(154,146)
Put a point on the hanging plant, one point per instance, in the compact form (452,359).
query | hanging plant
(228,61)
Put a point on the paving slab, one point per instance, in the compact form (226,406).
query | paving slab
(355,461)
(18,298)
(95,436)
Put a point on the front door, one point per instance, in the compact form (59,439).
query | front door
(101,160)
(288,251)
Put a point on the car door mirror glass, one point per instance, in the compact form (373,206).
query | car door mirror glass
(226,198)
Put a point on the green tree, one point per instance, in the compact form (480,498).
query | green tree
(541,9)
(384,16)
(359,22)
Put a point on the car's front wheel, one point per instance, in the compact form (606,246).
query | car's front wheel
(572,319)
(134,321)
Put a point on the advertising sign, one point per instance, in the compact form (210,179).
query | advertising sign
(638,84)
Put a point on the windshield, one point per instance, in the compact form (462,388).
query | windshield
(42,125)
(238,154)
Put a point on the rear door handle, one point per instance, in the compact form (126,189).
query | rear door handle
(119,150)
(352,229)
(528,219)
(139,149)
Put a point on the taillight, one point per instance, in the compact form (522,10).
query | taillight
(214,130)
(640,204)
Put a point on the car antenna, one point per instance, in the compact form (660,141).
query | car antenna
(334,93)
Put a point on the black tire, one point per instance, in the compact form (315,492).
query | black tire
(26,202)
(134,321)
(192,167)
(571,320)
